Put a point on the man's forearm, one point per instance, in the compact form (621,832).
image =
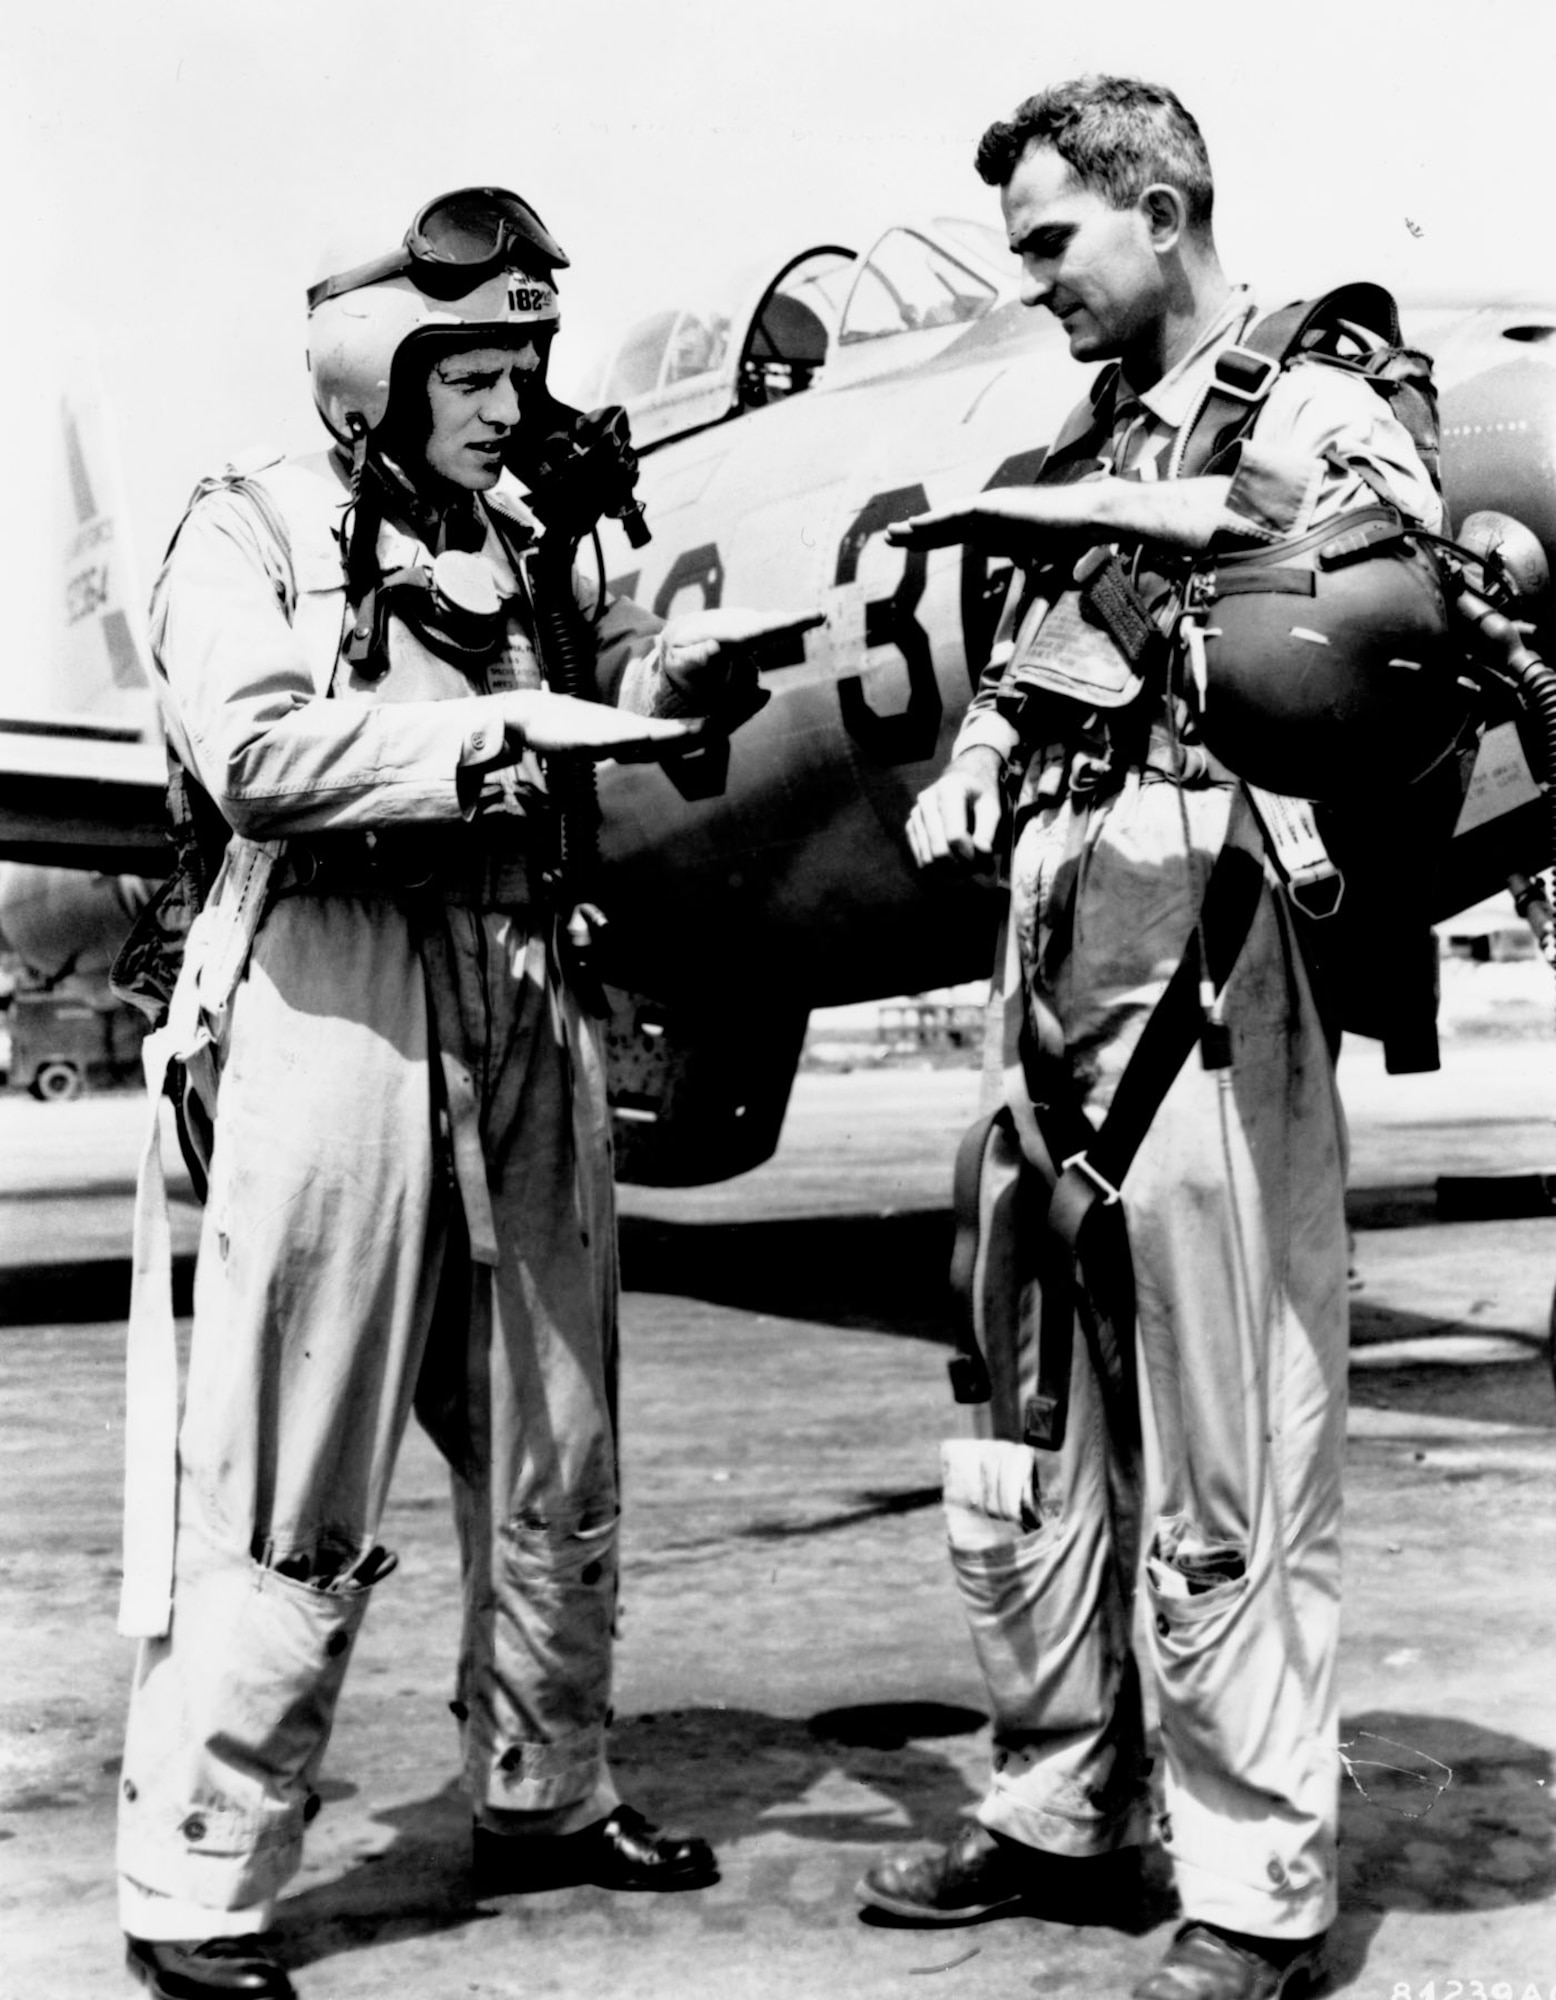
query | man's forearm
(1186,513)
(980,761)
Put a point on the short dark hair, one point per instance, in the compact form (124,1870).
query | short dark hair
(1117,136)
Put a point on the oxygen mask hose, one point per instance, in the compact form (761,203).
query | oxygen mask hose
(564,641)
(1512,572)
(575,468)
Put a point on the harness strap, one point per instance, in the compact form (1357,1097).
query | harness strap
(969,1368)
(1278,580)
(1083,1254)
(150,1383)
(215,959)
(429,929)
(1297,846)
(1246,371)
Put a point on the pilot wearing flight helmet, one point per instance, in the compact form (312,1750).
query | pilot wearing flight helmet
(410,1197)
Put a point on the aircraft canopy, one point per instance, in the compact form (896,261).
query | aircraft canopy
(915,280)
(825,311)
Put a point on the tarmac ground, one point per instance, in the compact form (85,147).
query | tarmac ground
(793,1675)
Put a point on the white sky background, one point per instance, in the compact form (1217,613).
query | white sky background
(176,168)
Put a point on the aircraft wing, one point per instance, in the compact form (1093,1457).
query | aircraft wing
(78,794)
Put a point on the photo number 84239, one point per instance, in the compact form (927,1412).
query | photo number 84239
(1471,1989)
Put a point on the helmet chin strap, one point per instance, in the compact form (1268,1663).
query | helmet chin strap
(443,515)
(381,489)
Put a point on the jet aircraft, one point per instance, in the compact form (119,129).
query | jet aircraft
(782,431)
(81,823)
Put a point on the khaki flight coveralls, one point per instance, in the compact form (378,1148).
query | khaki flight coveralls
(1234,1208)
(410,1200)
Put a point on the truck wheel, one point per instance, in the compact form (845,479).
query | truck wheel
(1551,1339)
(55,1081)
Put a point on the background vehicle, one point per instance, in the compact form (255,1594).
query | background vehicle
(64,1043)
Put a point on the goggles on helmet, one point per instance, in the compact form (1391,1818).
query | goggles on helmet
(456,243)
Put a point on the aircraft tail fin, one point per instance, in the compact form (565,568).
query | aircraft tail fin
(77,648)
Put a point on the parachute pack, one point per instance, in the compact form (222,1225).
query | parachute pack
(1385,736)
(1324,671)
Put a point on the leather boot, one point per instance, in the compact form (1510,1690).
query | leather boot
(1204,1962)
(222,1968)
(622,1852)
(982,1874)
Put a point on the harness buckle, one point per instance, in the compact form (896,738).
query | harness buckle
(1110,1194)
(1194,632)
(1317,891)
(1245,375)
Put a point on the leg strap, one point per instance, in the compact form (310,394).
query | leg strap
(1083,1252)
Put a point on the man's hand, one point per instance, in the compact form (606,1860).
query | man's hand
(710,658)
(536,719)
(958,817)
(1007,517)
(701,649)
(697,637)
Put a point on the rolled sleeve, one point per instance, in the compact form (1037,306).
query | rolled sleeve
(627,650)
(987,729)
(1273,492)
(1326,443)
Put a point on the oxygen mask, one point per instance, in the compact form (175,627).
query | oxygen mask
(1514,571)
(577,467)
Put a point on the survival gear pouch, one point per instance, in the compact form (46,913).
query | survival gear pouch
(1095,642)
(1079,627)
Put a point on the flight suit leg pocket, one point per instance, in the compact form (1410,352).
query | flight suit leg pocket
(536,1719)
(1251,1772)
(1194,1638)
(231,1719)
(1032,1614)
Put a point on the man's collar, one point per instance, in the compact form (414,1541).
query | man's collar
(1171,400)
(447,520)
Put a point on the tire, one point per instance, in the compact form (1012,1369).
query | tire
(56,1081)
(1551,1340)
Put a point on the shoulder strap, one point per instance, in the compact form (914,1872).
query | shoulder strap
(301,503)
(1085,430)
(1246,371)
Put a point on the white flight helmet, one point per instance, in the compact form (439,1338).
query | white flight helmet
(477,261)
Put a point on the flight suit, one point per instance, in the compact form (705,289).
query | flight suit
(1234,1211)
(410,1201)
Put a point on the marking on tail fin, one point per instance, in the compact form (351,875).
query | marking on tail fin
(123,658)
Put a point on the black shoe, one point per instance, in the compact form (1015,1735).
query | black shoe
(223,1968)
(622,1852)
(981,1874)
(1204,1962)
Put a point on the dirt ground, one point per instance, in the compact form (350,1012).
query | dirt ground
(794,1678)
